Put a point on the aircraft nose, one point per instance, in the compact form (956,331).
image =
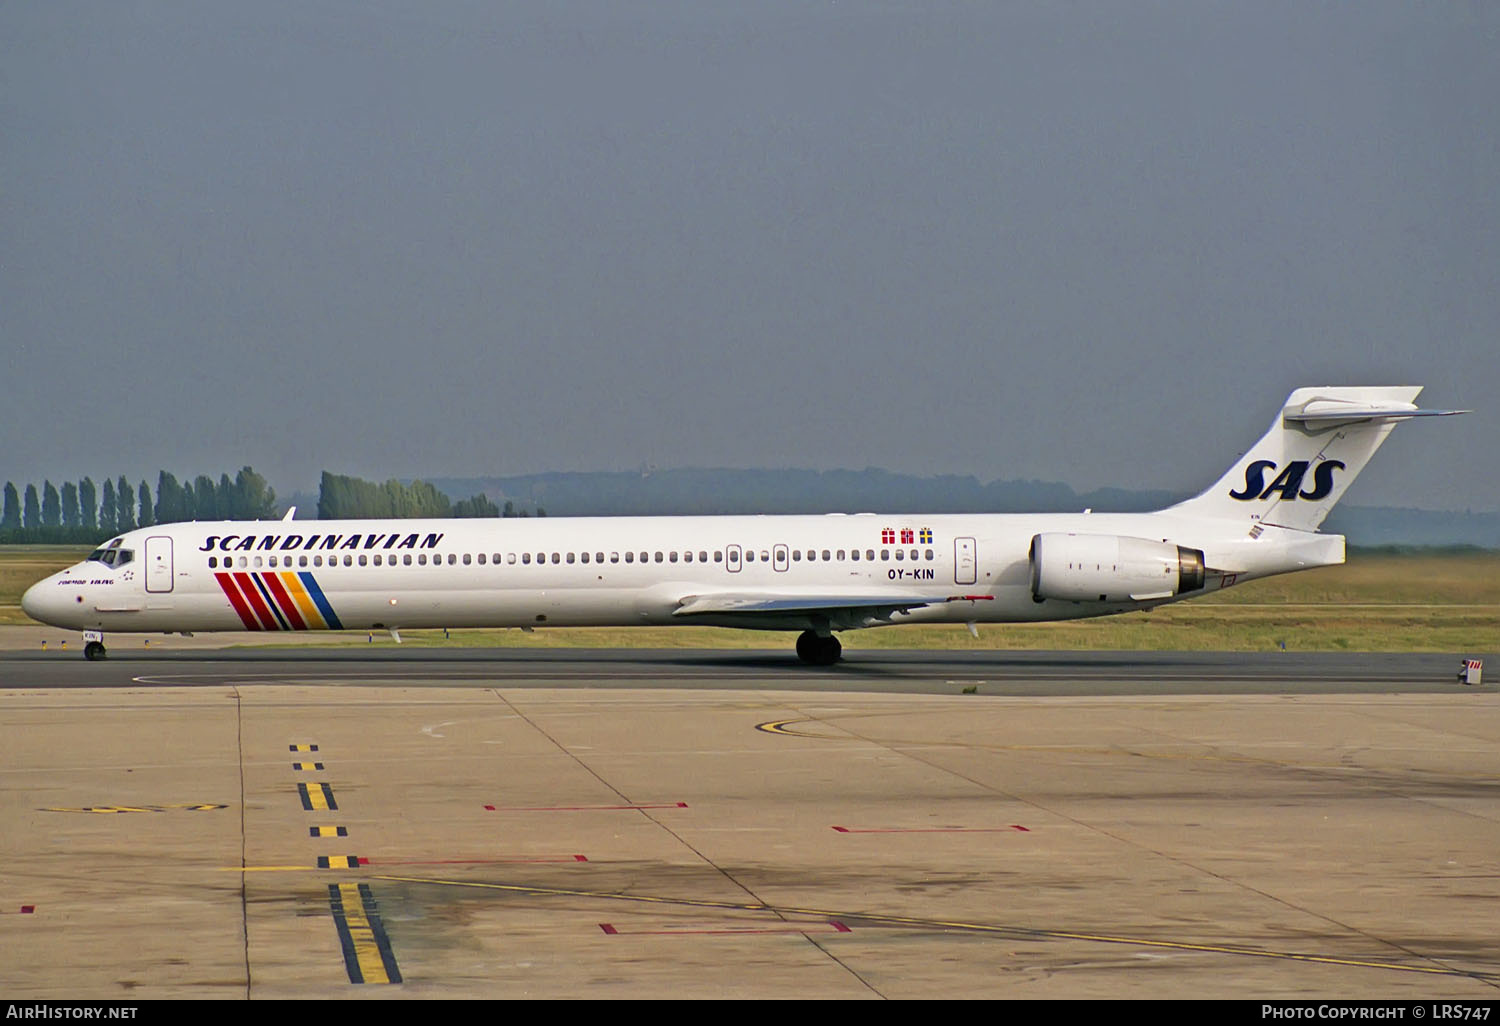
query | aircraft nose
(38,603)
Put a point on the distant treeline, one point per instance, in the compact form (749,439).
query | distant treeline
(713,491)
(341,497)
(81,512)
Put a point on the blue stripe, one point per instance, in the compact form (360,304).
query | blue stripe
(316,593)
(275,609)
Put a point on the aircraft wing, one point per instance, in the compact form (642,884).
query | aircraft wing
(875,606)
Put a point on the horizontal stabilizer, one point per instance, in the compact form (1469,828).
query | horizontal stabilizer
(1325,411)
(1319,442)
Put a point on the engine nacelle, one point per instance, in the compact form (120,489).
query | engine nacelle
(1109,568)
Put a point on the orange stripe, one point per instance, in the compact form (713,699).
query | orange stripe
(304,602)
(273,584)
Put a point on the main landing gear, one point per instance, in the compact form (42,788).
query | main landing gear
(818,649)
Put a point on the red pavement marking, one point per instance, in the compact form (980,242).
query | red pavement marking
(934,830)
(471,862)
(579,808)
(833,924)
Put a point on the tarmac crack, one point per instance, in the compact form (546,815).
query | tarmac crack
(728,876)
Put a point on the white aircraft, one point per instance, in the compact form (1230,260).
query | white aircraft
(813,574)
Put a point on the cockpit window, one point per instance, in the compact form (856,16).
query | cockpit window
(112,556)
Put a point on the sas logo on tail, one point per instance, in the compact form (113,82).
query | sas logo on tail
(1288,484)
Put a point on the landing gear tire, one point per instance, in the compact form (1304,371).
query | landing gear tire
(94,650)
(817,650)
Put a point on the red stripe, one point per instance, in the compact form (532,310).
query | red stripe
(233,595)
(252,595)
(278,592)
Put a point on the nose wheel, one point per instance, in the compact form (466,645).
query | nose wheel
(818,650)
(93,650)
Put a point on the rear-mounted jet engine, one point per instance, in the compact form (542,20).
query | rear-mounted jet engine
(1109,568)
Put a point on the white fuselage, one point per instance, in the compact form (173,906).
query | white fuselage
(769,572)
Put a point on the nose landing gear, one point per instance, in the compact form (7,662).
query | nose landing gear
(93,645)
(818,650)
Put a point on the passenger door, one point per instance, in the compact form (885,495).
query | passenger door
(158,564)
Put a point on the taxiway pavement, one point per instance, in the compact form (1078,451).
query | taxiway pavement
(695,824)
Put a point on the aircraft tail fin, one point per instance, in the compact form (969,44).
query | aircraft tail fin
(1318,444)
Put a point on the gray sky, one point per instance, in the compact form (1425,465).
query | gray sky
(1090,242)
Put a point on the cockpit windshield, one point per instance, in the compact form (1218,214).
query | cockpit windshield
(112,554)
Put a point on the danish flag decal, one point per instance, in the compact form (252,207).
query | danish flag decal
(908,536)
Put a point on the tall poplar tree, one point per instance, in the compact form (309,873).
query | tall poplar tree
(51,506)
(168,499)
(10,519)
(70,505)
(88,502)
(124,506)
(107,519)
